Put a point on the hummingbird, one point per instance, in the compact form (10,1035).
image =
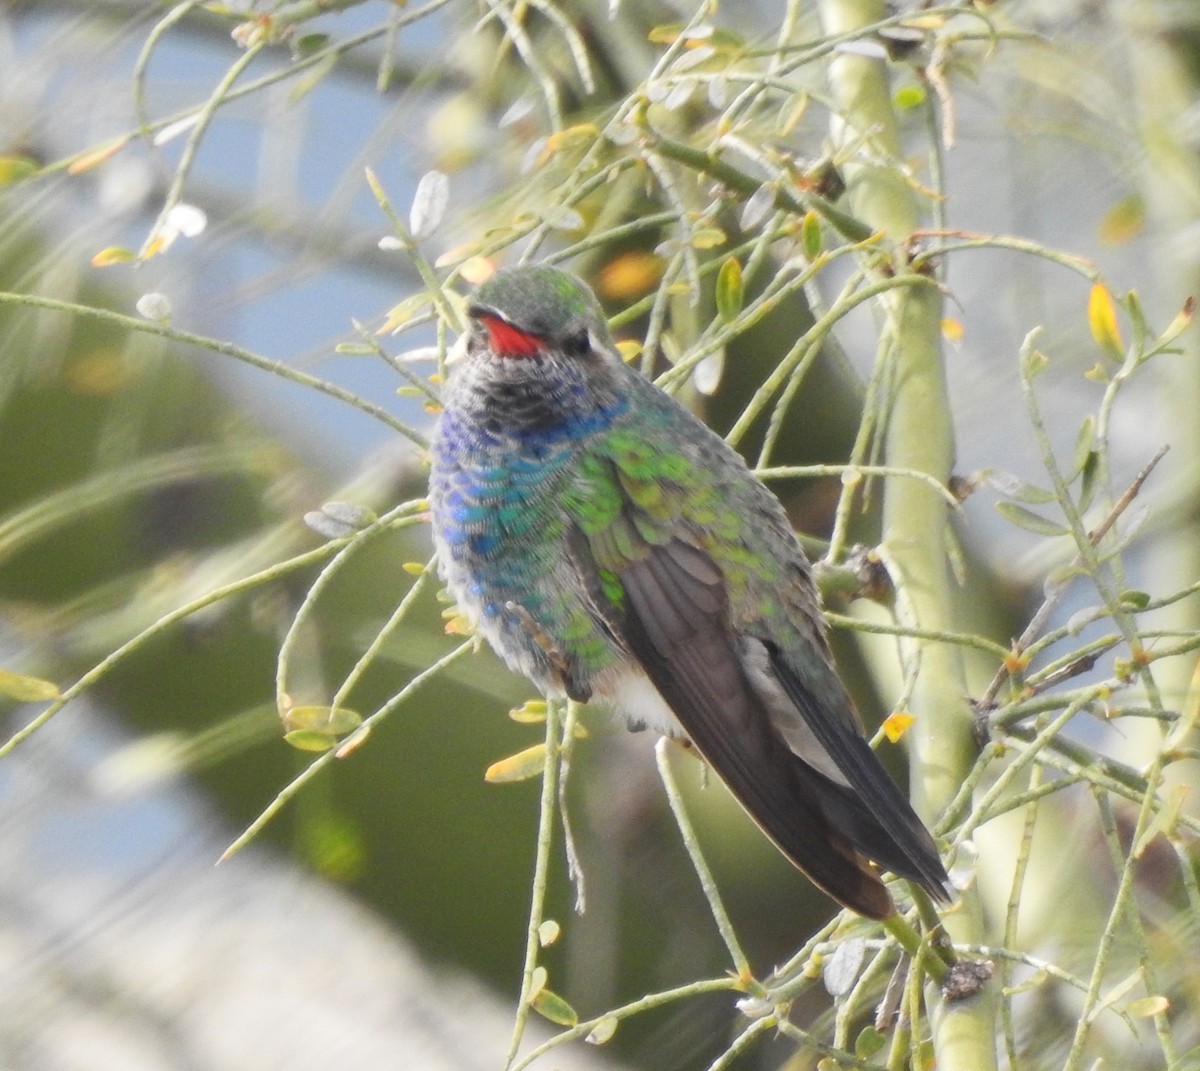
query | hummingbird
(611,547)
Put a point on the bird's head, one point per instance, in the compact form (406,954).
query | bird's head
(536,311)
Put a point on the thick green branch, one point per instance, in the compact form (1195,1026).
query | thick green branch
(918,437)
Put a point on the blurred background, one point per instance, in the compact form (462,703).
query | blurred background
(380,918)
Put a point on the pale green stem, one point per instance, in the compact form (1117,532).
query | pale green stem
(555,715)
(711,893)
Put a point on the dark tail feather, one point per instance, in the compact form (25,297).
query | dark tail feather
(787,799)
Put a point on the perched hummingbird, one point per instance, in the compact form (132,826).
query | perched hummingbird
(608,545)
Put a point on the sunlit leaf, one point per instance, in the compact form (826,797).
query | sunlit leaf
(811,239)
(582,134)
(550,1005)
(629,349)
(531,712)
(310,740)
(701,36)
(548,932)
(113,254)
(895,725)
(629,275)
(332,721)
(708,237)
(26,689)
(522,766)
(1102,320)
(731,290)
(1148,1007)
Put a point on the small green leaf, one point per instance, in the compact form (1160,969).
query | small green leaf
(113,254)
(1084,441)
(1030,521)
(1148,1007)
(869,1042)
(309,43)
(1182,321)
(339,720)
(810,235)
(1029,493)
(708,237)
(355,349)
(318,728)
(603,1030)
(551,1006)
(519,767)
(731,290)
(531,712)
(25,689)
(1087,482)
(1134,600)
(1033,363)
(548,932)
(909,97)
(309,740)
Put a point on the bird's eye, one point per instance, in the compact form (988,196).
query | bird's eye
(578,344)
